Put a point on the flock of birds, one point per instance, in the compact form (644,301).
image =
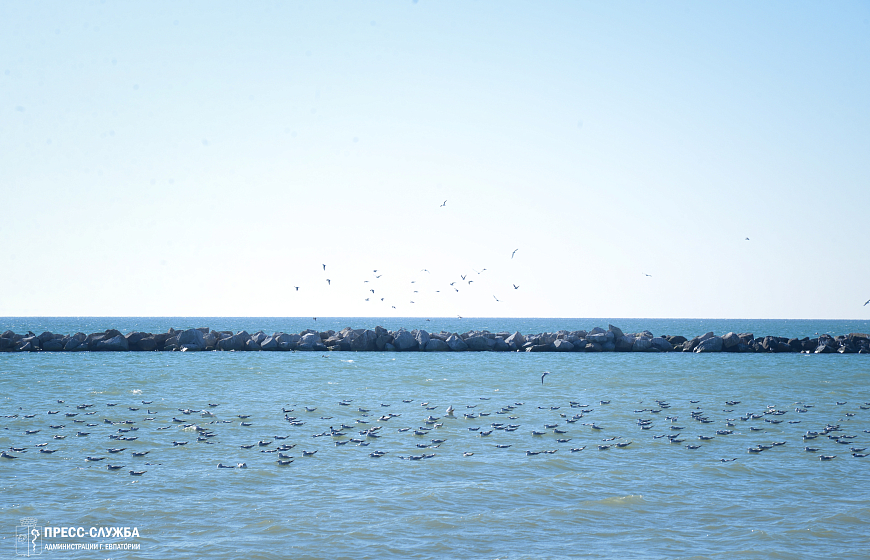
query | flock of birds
(412,430)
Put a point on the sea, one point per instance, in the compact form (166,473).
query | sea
(526,466)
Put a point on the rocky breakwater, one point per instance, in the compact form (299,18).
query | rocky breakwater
(380,339)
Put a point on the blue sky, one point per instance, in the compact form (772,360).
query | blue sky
(205,158)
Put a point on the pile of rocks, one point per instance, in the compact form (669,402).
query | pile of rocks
(611,339)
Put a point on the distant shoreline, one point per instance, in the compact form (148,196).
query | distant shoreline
(379,339)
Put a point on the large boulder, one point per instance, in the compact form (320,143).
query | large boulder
(403,341)
(147,344)
(436,345)
(252,346)
(365,341)
(641,344)
(730,340)
(617,332)
(191,339)
(712,344)
(269,343)
(287,341)
(562,346)
(624,343)
(116,343)
(661,344)
(422,339)
(515,340)
(498,345)
(382,340)
(233,343)
(477,343)
(456,344)
(53,345)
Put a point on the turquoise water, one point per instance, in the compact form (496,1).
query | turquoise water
(651,499)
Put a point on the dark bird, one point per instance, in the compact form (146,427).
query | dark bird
(512,254)
(328,281)
(747,239)
(463,276)
(324,267)
(866,302)
(546,373)
(443,204)
(515,286)
(424,270)
(372,291)
(496,299)
(297,288)
(645,274)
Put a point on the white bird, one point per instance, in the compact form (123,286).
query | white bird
(449,410)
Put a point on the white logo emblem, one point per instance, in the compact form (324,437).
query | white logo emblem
(28,538)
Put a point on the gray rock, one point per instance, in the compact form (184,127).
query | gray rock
(563,346)
(74,344)
(713,344)
(252,346)
(730,340)
(403,341)
(116,343)
(53,345)
(641,344)
(617,332)
(365,341)
(191,339)
(661,344)
(436,345)
(516,340)
(456,344)
(499,345)
(477,343)
(389,347)
(422,339)
(288,341)
(269,343)
(608,346)
(147,344)
(258,337)
(233,343)
(624,343)
(382,341)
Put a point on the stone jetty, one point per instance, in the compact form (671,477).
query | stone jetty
(380,339)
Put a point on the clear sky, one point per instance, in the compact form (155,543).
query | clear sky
(205,158)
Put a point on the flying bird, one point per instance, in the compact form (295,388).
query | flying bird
(328,281)
(512,254)
(645,274)
(866,302)
(546,373)
(515,286)
(747,239)
(324,267)
(463,276)
(443,204)
(496,299)
(297,288)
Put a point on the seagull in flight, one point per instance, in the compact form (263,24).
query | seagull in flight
(747,239)
(546,373)
(866,302)
(443,204)
(463,276)
(297,288)
(496,299)
(515,286)
(328,281)
(645,274)
(324,267)
(512,254)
